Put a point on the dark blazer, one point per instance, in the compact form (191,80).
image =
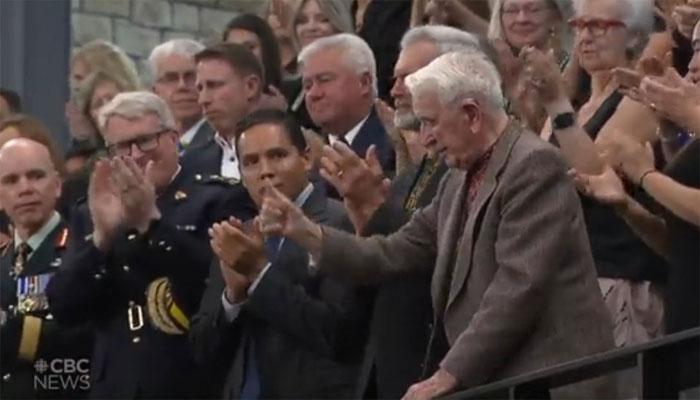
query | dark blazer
(141,293)
(201,137)
(514,286)
(309,330)
(402,316)
(373,133)
(38,326)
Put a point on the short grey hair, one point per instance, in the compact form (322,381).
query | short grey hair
(355,52)
(638,16)
(456,75)
(181,47)
(131,105)
(445,38)
(565,8)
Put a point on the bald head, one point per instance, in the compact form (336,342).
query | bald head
(29,185)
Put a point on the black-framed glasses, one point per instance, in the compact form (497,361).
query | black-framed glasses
(146,143)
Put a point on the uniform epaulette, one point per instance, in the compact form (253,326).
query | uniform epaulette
(218,179)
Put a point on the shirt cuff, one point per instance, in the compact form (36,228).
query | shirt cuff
(258,279)
(231,310)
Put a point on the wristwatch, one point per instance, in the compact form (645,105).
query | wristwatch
(564,121)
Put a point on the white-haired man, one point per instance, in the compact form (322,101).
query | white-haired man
(174,80)
(514,286)
(402,313)
(139,255)
(340,80)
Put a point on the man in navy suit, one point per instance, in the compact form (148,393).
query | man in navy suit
(340,79)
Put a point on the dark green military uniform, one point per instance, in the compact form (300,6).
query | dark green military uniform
(39,358)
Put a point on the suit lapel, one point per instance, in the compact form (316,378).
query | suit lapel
(463,260)
(365,137)
(314,208)
(201,137)
(447,246)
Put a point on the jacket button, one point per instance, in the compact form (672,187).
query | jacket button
(6,377)
(136,339)
(126,268)
(131,303)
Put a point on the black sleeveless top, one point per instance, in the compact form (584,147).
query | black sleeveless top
(683,287)
(617,251)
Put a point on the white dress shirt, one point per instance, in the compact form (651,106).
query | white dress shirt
(229,160)
(350,135)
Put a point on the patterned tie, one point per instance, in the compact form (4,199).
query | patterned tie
(21,256)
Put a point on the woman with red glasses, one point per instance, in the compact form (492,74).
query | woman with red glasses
(608,34)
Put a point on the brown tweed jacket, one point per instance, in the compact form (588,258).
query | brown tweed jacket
(517,290)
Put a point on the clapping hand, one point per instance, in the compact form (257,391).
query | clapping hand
(360,182)
(105,204)
(541,75)
(607,187)
(236,284)
(138,195)
(630,157)
(240,251)
(279,216)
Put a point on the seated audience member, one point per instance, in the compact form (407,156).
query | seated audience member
(402,314)
(175,77)
(340,82)
(254,33)
(97,55)
(608,34)
(312,20)
(674,233)
(30,187)
(514,287)
(10,103)
(138,256)
(296,334)
(229,82)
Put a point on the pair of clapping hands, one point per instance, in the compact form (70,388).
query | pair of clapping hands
(121,193)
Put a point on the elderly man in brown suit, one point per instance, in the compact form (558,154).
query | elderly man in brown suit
(514,286)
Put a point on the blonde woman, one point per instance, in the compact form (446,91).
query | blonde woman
(93,56)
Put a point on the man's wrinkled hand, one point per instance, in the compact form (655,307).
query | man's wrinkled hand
(440,383)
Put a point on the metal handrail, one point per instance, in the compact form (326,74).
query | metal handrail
(639,356)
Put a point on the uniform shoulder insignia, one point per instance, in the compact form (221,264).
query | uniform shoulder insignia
(216,179)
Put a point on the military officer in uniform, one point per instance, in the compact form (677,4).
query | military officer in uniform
(140,255)
(29,190)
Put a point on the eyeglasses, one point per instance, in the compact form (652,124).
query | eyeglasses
(528,9)
(596,26)
(172,78)
(146,143)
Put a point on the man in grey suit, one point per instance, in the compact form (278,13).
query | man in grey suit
(514,286)
(175,74)
(269,328)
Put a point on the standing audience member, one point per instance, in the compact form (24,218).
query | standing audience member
(138,257)
(10,103)
(278,14)
(30,187)
(340,82)
(295,334)
(609,34)
(402,315)
(674,233)
(254,33)
(175,77)
(513,286)
(314,19)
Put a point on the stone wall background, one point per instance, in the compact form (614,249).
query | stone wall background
(137,26)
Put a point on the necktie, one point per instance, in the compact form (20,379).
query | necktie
(251,383)
(344,141)
(272,247)
(21,256)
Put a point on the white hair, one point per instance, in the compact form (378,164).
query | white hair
(445,38)
(638,16)
(565,9)
(456,75)
(355,52)
(181,47)
(131,105)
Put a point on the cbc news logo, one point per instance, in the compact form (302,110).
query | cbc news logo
(62,374)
